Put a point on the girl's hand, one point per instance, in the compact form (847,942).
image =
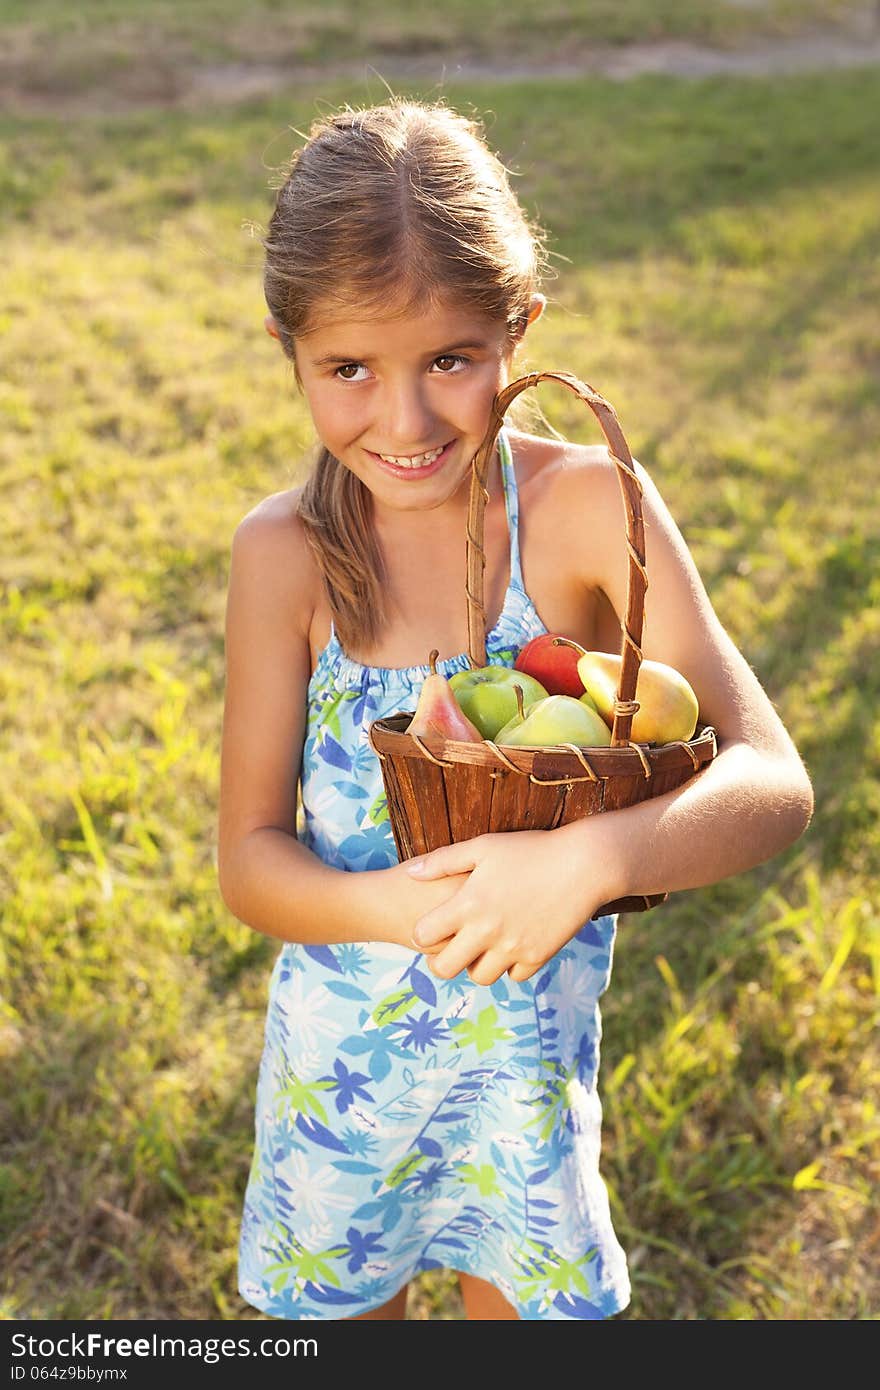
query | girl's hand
(523,899)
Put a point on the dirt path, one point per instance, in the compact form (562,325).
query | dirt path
(816,52)
(184,85)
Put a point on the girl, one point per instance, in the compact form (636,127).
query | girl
(428,1089)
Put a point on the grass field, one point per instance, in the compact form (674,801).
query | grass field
(81,39)
(715,250)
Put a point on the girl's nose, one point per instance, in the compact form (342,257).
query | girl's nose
(408,419)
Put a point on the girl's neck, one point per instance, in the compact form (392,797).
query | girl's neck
(424,581)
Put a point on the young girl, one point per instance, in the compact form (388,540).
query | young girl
(428,1090)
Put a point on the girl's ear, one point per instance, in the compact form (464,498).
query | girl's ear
(271,327)
(537,305)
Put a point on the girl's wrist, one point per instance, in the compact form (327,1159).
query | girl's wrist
(402,900)
(592,866)
(390,906)
(376,915)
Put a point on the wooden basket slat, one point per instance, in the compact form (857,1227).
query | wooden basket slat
(584,799)
(469,794)
(519,805)
(636,904)
(629,791)
(425,800)
(397,809)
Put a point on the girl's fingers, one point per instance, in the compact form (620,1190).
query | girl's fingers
(449,860)
(520,972)
(441,924)
(433,948)
(431,931)
(487,968)
(458,955)
(483,968)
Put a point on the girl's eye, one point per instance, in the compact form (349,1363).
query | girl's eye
(449,365)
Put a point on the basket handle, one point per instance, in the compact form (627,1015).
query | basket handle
(625,704)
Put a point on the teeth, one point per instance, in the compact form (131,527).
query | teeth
(419,461)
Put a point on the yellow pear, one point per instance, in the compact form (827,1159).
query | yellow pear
(668,707)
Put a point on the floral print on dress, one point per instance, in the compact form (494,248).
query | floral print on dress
(406,1123)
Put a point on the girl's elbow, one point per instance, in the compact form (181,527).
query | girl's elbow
(785,792)
(227,890)
(229,883)
(800,801)
(808,799)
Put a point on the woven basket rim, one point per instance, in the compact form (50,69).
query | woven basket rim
(564,762)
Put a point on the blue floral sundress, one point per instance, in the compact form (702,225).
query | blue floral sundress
(405,1123)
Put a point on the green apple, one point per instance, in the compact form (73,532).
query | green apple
(488,698)
(556,719)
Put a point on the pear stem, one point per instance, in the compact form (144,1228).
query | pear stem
(432,660)
(567,642)
(517,690)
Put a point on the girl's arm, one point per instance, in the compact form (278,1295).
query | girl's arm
(750,803)
(755,798)
(267,878)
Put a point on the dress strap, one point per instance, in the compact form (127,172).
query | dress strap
(511,503)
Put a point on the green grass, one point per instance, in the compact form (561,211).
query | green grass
(717,277)
(279,30)
(117,52)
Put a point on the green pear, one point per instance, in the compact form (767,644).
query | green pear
(514,723)
(554,720)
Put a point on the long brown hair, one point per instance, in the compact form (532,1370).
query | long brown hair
(416,190)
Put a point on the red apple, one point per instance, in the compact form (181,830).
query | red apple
(552,663)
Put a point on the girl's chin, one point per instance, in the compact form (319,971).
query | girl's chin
(446,489)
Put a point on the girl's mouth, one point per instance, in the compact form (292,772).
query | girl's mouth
(412,471)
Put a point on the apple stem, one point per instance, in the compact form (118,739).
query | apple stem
(517,690)
(432,660)
(567,642)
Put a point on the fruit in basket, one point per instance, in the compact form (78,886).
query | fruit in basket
(486,694)
(552,660)
(556,719)
(668,707)
(438,712)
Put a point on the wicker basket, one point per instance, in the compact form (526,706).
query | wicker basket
(441,791)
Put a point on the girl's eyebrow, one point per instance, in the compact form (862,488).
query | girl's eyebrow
(331,359)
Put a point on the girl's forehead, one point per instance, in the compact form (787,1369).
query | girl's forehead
(386,327)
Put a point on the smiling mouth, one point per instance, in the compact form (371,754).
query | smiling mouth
(415,461)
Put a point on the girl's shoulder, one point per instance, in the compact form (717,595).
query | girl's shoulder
(270,547)
(566,486)
(559,464)
(277,512)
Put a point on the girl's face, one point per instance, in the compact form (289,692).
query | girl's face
(404,402)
